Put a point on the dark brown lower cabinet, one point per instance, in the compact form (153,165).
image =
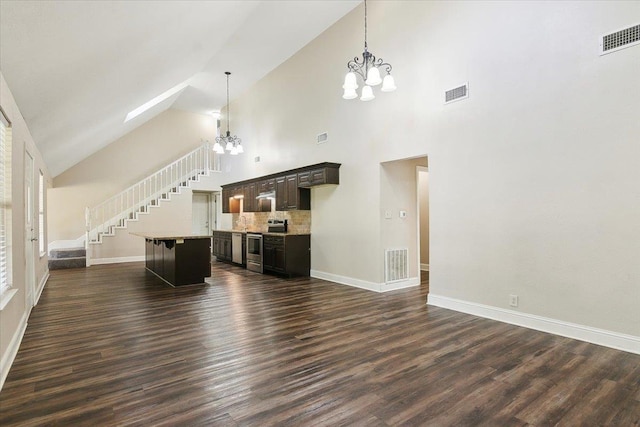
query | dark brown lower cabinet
(179,261)
(223,247)
(287,254)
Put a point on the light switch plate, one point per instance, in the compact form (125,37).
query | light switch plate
(387,214)
(403,214)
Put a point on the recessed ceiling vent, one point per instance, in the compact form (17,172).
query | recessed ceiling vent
(620,40)
(322,138)
(456,94)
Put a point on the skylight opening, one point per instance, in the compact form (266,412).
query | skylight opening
(155,101)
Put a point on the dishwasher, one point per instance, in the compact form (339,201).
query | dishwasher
(236,248)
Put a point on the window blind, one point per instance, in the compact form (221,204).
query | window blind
(5,203)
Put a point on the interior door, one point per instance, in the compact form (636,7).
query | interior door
(201,214)
(31,239)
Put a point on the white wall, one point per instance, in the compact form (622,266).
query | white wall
(13,316)
(533,179)
(126,161)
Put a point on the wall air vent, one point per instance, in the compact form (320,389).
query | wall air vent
(322,138)
(396,265)
(620,40)
(456,94)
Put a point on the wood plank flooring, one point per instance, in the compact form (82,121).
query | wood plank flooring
(113,345)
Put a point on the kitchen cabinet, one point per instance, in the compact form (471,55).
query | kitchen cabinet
(223,246)
(287,254)
(267,185)
(320,176)
(289,196)
(229,203)
(292,189)
(250,204)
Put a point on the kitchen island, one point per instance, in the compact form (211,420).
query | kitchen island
(178,259)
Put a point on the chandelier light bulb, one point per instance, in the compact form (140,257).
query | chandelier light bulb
(234,151)
(239,149)
(229,146)
(373,77)
(367,93)
(350,81)
(388,84)
(349,94)
(218,148)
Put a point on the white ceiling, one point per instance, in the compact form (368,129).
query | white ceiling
(76,68)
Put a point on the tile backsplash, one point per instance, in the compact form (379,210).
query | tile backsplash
(298,221)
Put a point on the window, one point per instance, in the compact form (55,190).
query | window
(41,239)
(5,204)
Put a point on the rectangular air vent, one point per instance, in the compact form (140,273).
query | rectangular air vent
(456,94)
(620,40)
(396,265)
(322,138)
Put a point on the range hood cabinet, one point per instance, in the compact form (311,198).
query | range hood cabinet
(267,195)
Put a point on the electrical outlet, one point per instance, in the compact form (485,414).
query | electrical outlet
(513,300)
(256,159)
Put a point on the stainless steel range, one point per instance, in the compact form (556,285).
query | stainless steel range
(254,252)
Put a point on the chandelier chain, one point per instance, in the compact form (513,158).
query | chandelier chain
(365,24)
(227,73)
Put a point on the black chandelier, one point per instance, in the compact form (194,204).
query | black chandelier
(233,144)
(368,68)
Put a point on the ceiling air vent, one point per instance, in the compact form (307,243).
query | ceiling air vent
(620,40)
(456,94)
(322,138)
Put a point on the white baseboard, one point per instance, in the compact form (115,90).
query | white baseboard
(12,350)
(117,260)
(589,334)
(43,281)
(363,284)
(424,267)
(400,284)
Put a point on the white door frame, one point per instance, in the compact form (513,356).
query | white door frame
(30,236)
(210,215)
(419,215)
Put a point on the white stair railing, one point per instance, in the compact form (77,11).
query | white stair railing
(115,212)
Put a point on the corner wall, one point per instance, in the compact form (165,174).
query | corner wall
(533,178)
(14,315)
(121,164)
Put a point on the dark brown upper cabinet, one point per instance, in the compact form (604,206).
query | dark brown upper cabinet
(292,189)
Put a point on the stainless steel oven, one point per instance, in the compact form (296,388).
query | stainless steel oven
(254,252)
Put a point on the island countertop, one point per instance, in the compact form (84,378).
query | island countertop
(169,235)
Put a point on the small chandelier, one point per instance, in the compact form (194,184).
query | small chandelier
(233,144)
(369,69)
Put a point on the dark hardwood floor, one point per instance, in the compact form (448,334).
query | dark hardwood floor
(113,345)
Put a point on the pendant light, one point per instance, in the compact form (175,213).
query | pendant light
(233,144)
(368,68)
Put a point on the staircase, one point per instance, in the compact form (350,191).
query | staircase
(115,213)
(67,258)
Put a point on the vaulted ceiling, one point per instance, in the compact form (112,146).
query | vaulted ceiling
(76,68)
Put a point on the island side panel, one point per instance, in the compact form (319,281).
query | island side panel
(192,261)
